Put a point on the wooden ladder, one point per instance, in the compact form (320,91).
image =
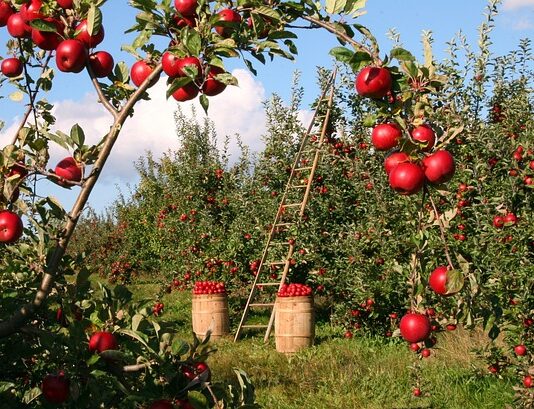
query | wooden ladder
(277,253)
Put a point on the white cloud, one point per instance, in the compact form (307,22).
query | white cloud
(517,4)
(523,23)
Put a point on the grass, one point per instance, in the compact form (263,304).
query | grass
(352,374)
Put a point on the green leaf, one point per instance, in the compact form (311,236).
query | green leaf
(77,135)
(5,386)
(42,25)
(55,207)
(342,54)
(204,102)
(455,281)
(354,8)
(177,83)
(401,54)
(179,347)
(121,72)
(267,11)
(335,6)
(94,20)
(365,31)
(198,400)
(31,394)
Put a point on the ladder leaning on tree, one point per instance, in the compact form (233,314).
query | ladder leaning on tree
(278,251)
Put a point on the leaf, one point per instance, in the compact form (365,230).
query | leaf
(55,207)
(77,135)
(5,386)
(42,25)
(94,20)
(179,347)
(176,84)
(359,60)
(197,400)
(342,54)
(142,338)
(401,54)
(121,72)
(267,11)
(136,320)
(365,31)
(354,8)
(16,96)
(455,281)
(31,394)
(335,6)
(204,102)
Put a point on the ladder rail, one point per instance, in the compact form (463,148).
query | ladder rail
(282,205)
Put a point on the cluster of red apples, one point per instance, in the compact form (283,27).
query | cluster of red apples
(209,287)
(294,290)
(407,175)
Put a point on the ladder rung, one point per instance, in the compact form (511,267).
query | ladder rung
(261,304)
(298,186)
(292,204)
(264,284)
(254,326)
(283,224)
(279,243)
(303,168)
(277,263)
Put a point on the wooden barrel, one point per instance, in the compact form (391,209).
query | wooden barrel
(210,311)
(294,324)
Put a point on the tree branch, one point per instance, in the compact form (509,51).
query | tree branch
(18,319)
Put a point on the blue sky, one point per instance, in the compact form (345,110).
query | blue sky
(240,110)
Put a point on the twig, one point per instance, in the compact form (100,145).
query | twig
(103,100)
(441,231)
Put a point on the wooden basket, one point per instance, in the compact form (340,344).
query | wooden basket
(294,324)
(210,311)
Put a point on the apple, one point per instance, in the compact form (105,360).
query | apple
(229,17)
(520,350)
(510,219)
(101,63)
(11,67)
(438,281)
(90,41)
(439,167)
(266,23)
(5,12)
(102,341)
(414,327)
(498,222)
(55,388)
(11,227)
(174,66)
(417,392)
(31,10)
(348,334)
(17,27)
(373,82)
(527,381)
(71,56)
(140,72)
(198,368)
(186,7)
(69,169)
(185,21)
(161,404)
(211,86)
(65,4)
(407,178)
(425,136)
(46,40)
(186,93)
(394,159)
(425,353)
(385,136)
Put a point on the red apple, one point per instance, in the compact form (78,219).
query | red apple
(65,4)
(229,18)
(407,178)
(520,350)
(185,21)
(5,12)
(174,66)
(498,221)
(140,72)
(211,86)
(69,169)
(71,56)
(90,41)
(17,27)
(373,82)
(11,227)
(425,136)
(386,136)
(438,281)
(102,341)
(414,327)
(55,388)
(394,159)
(186,7)
(527,381)
(11,67)
(439,167)
(186,93)
(47,40)
(510,219)
(161,404)
(101,63)
(183,404)
(31,10)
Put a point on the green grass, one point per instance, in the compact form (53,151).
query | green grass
(351,374)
